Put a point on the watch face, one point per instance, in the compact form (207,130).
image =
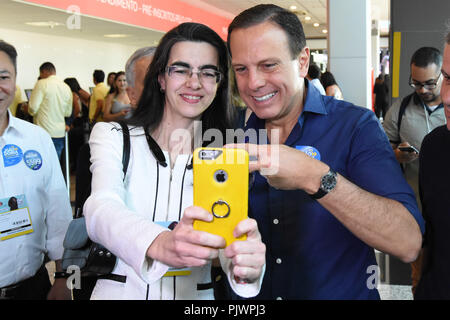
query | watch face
(329,181)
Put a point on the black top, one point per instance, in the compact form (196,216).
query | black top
(434,184)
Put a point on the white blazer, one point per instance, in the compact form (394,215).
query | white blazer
(122,216)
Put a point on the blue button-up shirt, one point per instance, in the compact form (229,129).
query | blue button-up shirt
(310,254)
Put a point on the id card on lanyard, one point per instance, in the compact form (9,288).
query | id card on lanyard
(15,219)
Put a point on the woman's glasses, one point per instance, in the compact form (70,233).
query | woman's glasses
(207,76)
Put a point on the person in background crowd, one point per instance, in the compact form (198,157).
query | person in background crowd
(117,103)
(422,111)
(381,91)
(314,77)
(326,188)
(187,81)
(330,85)
(135,71)
(30,174)
(50,103)
(97,99)
(110,80)
(434,158)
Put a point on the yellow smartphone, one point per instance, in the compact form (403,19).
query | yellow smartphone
(221,187)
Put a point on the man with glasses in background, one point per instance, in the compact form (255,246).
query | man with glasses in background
(410,119)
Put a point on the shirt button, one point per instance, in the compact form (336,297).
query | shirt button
(275,221)
(278,261)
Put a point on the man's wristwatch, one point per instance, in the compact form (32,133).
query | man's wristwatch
(327,183)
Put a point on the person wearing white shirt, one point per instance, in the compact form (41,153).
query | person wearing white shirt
(34,203)
(187,81)
(50,102)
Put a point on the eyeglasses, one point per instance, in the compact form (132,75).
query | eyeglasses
(428,86)
(206,76)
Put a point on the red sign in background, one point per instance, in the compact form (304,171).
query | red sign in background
(161,15)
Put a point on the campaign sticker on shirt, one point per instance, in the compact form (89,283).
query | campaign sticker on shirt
(33,159)
(12,155)
(310,151)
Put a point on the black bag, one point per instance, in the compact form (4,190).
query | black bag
(93,259)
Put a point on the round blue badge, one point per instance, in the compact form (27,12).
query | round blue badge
(12,155)
(33,159)
(310,151)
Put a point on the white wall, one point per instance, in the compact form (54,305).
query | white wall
(72,57)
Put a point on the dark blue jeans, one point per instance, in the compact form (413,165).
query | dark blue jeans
(59,146)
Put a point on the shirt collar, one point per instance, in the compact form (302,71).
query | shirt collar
(13,123)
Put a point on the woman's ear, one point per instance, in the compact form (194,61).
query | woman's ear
(162,82)
(303,62)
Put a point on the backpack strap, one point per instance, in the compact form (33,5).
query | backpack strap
(126,147)
(402,109)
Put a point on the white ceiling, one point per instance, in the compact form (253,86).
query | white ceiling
(14,15)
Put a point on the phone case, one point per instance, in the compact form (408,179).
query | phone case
(221,187)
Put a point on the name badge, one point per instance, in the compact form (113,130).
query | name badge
(15,219)
(172,272)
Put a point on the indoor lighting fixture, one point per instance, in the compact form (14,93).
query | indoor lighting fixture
(315,24)
(293,8)
(324,31)
(116,35)
(50,24)
(307,18)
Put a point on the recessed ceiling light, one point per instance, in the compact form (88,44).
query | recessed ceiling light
(325,31)
(116,35)
(50,24)
(315,24)
(293,8)
(307,18)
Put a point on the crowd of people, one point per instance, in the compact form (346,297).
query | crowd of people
(326,188)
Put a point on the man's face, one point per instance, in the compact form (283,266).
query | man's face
(445,89)
(269,79)
(7,85)
(428,75)
(140,70)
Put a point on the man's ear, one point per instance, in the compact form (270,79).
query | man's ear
(132,96)
(303,62)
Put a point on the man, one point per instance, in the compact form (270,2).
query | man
(314,77)
(32,183)
(423,111)
(98,95)
(434,175)
(319,227)
(135,71)
(50,102)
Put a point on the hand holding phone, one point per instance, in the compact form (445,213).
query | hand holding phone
(408,149)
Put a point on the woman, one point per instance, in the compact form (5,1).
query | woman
(117,103)
(187,82)
(330,85)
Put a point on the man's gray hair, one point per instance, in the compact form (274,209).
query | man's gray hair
(129,66)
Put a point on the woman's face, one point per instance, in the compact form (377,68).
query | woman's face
(190,80)
(121,82)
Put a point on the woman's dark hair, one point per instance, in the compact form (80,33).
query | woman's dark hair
(73,84)
(327,79)
(150,109)
(285,19)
